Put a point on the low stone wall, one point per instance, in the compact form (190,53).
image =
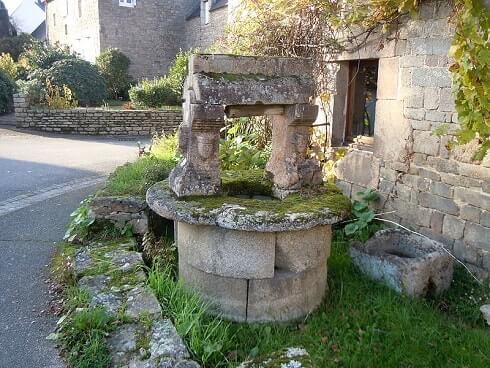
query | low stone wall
(122,212)
(94,121)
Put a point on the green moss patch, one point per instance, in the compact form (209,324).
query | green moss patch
(254,183)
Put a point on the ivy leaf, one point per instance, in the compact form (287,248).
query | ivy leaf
(351,229)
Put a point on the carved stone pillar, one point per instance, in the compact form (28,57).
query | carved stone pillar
(290,168)
(198,173)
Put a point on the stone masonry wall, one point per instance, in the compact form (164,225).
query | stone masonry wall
(74,23)
(201,36)
(437,191)
(91,121)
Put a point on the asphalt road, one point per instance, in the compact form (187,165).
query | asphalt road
(30,163)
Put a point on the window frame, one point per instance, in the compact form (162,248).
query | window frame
(125,4)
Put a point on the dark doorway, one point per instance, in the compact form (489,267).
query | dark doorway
(361,99)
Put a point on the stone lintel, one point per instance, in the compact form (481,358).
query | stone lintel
(205,113)
(232,64)
(302,114)
(253,110)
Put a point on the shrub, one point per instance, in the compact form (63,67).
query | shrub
(34,89)
(8,66)
(42,56)
(16,45)
(81,77)
(7,88)
(60,97)
(154,93)
(165,91)
(114,66)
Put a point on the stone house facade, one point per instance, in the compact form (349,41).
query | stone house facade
(390,98)
(149,32)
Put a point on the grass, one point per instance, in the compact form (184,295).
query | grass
(361,324)
(135,178)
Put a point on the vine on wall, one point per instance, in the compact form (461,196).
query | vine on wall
(471,73)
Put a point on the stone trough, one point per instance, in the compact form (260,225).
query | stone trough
(405,262)
(256,255)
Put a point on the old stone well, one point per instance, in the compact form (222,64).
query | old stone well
(254,244)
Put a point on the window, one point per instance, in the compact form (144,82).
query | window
(66,29)
(65,10)
(79,8)
(54,19)
(127,3)
(361,101)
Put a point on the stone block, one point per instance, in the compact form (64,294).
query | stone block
(425,142)
(388,78)
(297,251)
(478,235)
(412,213)
(485,218)
(441,189)
(360,168)
(447,100)
(437,116)
(465,252)
(476,198)
(227,296)
(414,114)
(228,253)
(287,296)
(345,187)
(439,203)
(478,172)
(443,165)
(215,63)
(431,77)
(431,98)
(392,131)
(453,227)
(471,213)
(405,262)
(436,221)
(460,181)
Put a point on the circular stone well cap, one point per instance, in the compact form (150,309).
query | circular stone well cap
(237,213)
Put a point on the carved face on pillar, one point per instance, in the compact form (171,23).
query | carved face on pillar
(205,146)
(301,143)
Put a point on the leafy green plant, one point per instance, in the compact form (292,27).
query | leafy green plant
(164,91)
(208,337)
(16,45)
(81,221)
(8,66)
(114,66)
(84,80)
(240,150)
(7,88)
(39,55)
(60,97)
(363,213)
(471,70)
(33,89)
(82,338)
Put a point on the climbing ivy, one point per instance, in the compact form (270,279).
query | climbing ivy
(471,73)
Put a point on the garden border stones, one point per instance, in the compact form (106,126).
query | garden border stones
(112,275)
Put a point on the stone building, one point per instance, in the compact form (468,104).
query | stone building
(149,32)
(390,98)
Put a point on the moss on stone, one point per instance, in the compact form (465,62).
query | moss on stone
(255,183)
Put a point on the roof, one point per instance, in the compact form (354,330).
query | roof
(196,8)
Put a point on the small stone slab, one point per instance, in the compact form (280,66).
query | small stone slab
(166,342)
(162,363)
(83,261)
(294,357)
(94,284)
(123,344)
(485,309)
(405,262)
(125,260)
(228,253)
(111,302)
(142,301)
